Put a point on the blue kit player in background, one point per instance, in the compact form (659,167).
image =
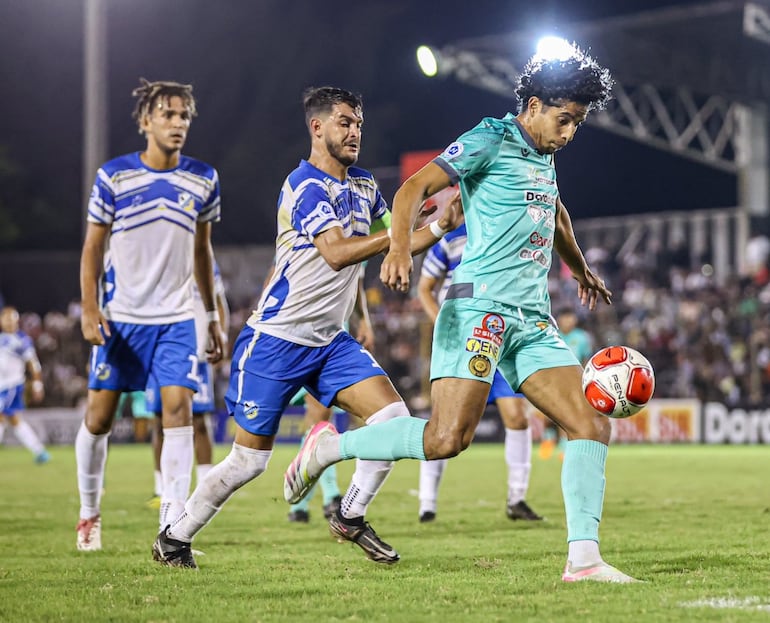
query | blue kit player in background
(296,336)
(203,398)
(499,295)
(435,278)
(153,210)
(581,344)
(19,364)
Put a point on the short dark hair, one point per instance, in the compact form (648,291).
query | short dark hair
(318,100)
(578,78)
(149,92)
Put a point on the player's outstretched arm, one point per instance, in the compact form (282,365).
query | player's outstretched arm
(590,285)
(92,322)
(397,266)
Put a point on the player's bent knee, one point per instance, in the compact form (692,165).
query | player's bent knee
(594,426)
(445,444)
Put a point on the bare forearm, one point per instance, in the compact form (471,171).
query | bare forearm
(91,262)
(204,273)
(565,242)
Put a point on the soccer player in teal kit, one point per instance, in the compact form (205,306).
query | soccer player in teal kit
(499,295)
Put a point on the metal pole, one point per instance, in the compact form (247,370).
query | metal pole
(95,115)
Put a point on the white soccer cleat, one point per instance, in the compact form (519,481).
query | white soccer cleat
(90,534)
(601,572)
(304,471)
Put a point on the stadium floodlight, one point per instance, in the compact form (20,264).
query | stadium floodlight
(552,48)
(427,60)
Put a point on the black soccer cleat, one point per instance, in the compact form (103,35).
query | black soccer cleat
(172,553)
(427,517)
(521,510)
(299,516)
(332,507)
(362,534)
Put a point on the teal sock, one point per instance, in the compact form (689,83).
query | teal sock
(399,438)
(582,484)
(328,482)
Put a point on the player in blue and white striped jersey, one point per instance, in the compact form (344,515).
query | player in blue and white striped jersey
(296,337)
(18,364)
(152,210)
(435,278)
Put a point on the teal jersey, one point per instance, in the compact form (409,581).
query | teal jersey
(579,343)
(509,197)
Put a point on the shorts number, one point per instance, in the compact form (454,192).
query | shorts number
(374,362)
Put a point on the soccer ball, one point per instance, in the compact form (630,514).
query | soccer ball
(618,381)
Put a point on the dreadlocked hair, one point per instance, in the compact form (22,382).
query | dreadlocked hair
(578,78)
(150,92)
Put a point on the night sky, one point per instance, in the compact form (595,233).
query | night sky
(249,61)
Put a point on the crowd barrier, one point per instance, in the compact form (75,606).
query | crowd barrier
(663,421)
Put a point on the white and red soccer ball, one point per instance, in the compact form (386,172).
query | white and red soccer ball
(618,381)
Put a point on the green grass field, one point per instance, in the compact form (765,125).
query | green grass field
(693,522)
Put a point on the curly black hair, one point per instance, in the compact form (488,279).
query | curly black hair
(321,99)
(149,92)
(578,78)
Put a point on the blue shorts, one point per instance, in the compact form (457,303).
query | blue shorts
(474,338)
(267,371)
(12,400)
(203,398)
(135,351)
(501,389)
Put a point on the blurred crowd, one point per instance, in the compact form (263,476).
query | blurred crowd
(705,340)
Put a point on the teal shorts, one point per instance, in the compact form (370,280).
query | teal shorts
(475,337)
(138,405)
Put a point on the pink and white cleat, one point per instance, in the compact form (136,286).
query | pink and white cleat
(90,534)
(304,471)
(600,572)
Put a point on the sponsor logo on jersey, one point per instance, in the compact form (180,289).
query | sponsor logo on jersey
(250,410)
(454,150)
(475,345)
(186,202)
(483,334)
(546,198)
(535,255)
(493,323)
(537,214)
(540,241)
(537,175)
(103,371)
(480,366)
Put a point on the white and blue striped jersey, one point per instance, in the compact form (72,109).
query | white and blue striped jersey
(442,259)
(306,301)
(201,318)
(16,350)
(152,216)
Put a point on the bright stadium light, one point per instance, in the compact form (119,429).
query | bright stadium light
(553,48)
(427,60)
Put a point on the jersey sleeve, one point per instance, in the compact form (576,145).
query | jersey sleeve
(313,214)
(211,210)
(101,203)
(471,153)
(436,262)
(381,223)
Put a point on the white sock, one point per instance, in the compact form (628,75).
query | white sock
(430,479)
(518,457)
(91,456)
(2,428)
(158,483)
(370,475)
(201,471)
(242,465)
(176,463)
(28,437)
(583,553)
